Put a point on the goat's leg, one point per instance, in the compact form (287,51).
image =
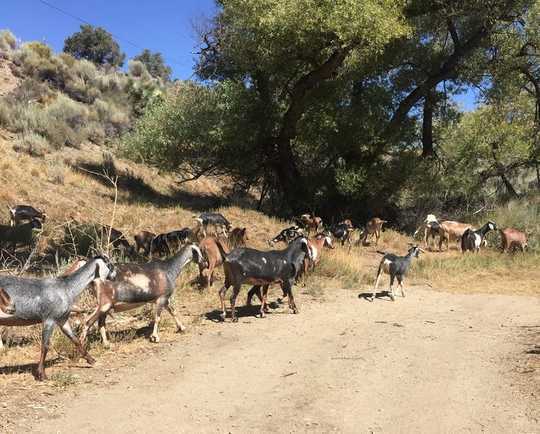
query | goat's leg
(102,330)
(255,290)
(66,329)
(179,326)
(400,284)
(46,333)
(222,293)
(377,280)
(236,290)
(94,316)
(1,342)
(160,304)
(391,289)
(287,287)
(264,309)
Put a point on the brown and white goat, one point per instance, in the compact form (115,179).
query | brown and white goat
(136,285)
(373,229)
(212,254)
(451,231)
(316,246)
(512,239)
(311,222)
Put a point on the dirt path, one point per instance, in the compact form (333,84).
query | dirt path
(432,362)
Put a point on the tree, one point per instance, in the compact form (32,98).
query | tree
(155,64)
(96,45)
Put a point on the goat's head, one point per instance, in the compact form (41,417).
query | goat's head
(430,218)
(492,226)
(415,251)
(197,255)
(105,269)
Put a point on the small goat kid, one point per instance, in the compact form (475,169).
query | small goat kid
(50,301)
(397,267)
(472,240)
(136,285)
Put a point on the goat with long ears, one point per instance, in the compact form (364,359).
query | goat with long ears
(50,302)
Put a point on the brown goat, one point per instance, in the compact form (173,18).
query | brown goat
(138,284)
(512,239)
(143,241)
(451,231)
(373,229)
(210,250)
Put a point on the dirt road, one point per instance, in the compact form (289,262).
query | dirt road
(432,362)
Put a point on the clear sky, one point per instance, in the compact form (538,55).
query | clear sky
(160,25)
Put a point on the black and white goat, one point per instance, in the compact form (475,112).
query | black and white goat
(397,267)
(473,239)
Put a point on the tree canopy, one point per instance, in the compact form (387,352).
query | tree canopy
(346,103)
(155,64)
(96,45)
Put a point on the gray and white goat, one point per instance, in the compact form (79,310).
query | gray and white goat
(50,301)
(397,267)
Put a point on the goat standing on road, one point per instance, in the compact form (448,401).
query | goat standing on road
(136,285)
(245,265)
(50,301)
(397,267)
(472,240)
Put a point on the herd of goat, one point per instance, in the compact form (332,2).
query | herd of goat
(124,286)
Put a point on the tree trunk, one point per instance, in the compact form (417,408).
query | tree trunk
(427,126)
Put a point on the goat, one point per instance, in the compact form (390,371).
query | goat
(397,267)
(49,301)
(245,265)
(180,237)
(136,285)
(220,223)
(513,239)
(472,240)
(117,239)
(160,246)
(431,228)
(373,229)
(342,232)
(20,213)
(143,241)
(316,246)
(22,234)
(212,254)
(451,230)
(310,222)
(287,235)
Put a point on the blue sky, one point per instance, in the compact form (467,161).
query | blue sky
(160,25)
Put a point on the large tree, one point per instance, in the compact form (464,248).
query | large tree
(96,45)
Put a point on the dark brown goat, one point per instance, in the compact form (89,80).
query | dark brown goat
(143,241)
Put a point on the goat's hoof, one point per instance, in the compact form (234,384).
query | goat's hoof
(40,376)
(154,339)
(234,319)
(90,360)
(180,329)
(295,311)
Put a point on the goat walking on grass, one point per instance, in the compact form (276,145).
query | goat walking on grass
(397,267)
(50,301)
(472,240)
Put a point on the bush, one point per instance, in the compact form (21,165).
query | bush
(32,144)
(8,42)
